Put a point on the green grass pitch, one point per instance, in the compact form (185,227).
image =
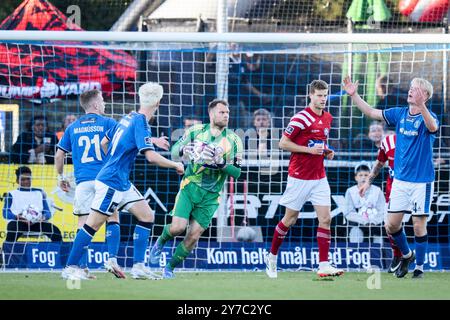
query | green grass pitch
(226,286)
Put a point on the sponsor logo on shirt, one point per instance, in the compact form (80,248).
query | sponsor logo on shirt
(409,132)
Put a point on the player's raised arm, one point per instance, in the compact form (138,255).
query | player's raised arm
(154,157)
(373,174)
(352,90)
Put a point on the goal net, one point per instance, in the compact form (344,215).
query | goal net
(266,83)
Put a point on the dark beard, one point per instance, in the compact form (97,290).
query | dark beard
(220,126)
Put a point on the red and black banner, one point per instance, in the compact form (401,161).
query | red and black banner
(31,70)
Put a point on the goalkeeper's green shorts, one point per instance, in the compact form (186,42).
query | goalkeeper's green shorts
(193,201)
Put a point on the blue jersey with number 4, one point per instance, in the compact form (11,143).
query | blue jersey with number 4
(130,136)
(83,138)
(413,160)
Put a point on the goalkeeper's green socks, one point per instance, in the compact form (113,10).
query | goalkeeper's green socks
(180,254)
(165,236)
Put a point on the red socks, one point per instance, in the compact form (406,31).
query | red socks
(323,240)
(395,249)
(278,236)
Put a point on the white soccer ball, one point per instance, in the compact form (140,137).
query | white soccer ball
(246,234)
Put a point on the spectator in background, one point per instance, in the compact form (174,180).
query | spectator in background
(376,133)
(260,140)
(189,122)
(68,119)
(27,210)
(372,141)
(253,87)
(36,145)
(366,211)
(388,98)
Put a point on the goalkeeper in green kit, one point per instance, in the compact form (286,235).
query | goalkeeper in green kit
(212,153)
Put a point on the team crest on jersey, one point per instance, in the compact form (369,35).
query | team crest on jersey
(289,129)
(417,124)
(326,131)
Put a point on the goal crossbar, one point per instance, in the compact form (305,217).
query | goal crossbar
(192,37)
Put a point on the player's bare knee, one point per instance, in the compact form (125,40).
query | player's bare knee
(177,227)
(113,218)
(420,227)
(325,221)
(289,219)
(391,228)
(192,239)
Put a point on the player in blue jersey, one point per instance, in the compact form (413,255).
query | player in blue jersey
(82,138)
(113,190)
(412,189)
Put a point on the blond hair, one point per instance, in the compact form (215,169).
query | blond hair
(86,98)
(150,94)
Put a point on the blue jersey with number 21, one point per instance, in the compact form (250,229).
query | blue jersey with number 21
(130,136)
(83,138)
(413,160)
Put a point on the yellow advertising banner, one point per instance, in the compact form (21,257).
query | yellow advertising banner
(44,177)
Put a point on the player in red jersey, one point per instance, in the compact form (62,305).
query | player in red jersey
(306,138)
(385,153)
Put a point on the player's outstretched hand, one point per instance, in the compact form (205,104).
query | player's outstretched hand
(350,87)
(179,168)
(161,142)
(364,188)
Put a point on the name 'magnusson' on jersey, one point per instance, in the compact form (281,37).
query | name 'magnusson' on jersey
(130,136)
(83,138)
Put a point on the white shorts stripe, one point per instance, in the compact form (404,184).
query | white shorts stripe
(107,200)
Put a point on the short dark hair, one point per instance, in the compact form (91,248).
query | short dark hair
(22,170)
(362,167)
(31,123)
(262,112)
(88,96)
(215,102)
(317,85)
